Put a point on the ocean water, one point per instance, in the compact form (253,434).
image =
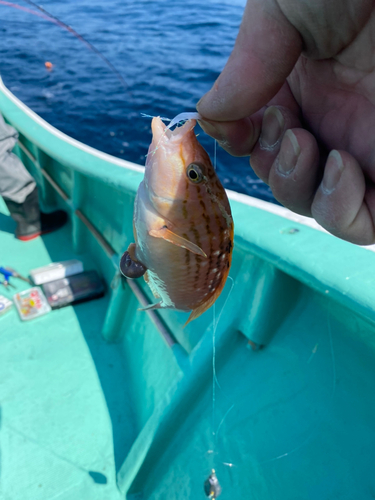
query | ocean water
(168,52)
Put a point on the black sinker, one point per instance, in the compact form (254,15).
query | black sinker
(131,268)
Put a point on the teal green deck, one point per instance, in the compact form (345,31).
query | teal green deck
(94,404)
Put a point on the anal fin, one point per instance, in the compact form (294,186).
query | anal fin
(198,311)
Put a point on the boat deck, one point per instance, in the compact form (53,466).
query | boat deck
(293,420)
(148,414)
(65,413)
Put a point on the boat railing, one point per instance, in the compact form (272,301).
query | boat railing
(70,168)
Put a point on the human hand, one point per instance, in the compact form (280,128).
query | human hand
(298,94)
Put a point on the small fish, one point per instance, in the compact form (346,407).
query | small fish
(183,225)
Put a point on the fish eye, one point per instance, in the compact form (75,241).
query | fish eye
(195,173)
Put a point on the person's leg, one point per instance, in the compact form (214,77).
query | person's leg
(20,192)
(15,181)
(31,223)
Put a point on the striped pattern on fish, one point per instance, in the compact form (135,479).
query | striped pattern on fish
(183,225)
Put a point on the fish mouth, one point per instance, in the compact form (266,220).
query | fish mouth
(160,132)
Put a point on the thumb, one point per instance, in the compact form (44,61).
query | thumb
(265,52)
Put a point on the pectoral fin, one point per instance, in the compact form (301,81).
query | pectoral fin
(174,238)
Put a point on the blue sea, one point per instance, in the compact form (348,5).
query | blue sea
(169,53)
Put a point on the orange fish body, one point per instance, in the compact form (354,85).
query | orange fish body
(183,225)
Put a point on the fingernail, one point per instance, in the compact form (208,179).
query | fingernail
(332,172)
(289,153)
(272,127)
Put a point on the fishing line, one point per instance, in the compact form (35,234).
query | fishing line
(291,451)
(212,485)
(162,118)
(215,381)
(82,39)
(183,117)
(215,324)
(304,442)
(51,18)
(222,420)
(25,9)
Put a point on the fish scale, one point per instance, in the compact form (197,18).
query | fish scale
(183,225)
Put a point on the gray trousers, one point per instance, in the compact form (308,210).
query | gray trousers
(15,181)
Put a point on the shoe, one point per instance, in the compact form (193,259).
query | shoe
(31,222)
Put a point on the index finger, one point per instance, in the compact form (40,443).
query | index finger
(265,52)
